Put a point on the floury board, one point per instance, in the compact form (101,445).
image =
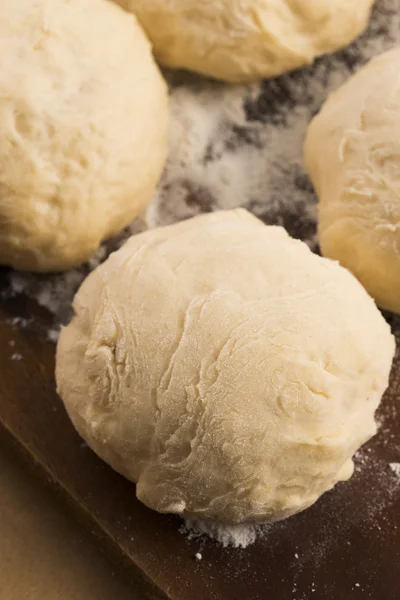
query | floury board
(229,146)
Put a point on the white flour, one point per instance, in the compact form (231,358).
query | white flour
(237,536)
(395,468)
(240,146)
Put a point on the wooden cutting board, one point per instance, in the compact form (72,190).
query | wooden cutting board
(346,546)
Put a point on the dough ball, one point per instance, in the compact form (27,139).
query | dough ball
(225,368)
(352,155)
(83,117)
(241,40)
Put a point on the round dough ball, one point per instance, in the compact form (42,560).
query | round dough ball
(352,155)
(83,119)
(242,40)
(225,368)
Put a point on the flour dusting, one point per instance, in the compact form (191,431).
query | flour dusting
(236,536)
(395,467)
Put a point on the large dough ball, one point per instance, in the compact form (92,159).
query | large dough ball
(241,40)
(352,154)
(83,117)
(225,368)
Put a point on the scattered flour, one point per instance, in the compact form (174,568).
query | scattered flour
(19,322)
(52,335)
(395,467)
(237,536)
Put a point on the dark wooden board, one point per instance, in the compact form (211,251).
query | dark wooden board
(351,536)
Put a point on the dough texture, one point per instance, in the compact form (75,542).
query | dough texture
(83,119)
(225,368)
(352,155)
(242,40)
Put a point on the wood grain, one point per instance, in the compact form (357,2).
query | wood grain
(346,546)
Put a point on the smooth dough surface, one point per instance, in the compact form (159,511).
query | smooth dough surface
(352,155)
(225,368)
(83,118)
(242,40)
